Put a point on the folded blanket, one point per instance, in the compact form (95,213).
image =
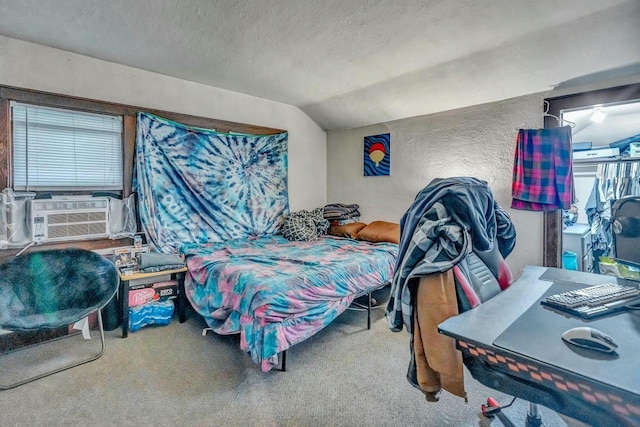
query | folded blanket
(159,268)
(338,211)
(148,262)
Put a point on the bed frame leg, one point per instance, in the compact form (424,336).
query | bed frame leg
(369,312)
(283,361)
(182,298)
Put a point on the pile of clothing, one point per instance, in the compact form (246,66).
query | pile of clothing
(454,238)
(304,225)
(341,214)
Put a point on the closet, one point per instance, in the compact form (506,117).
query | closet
(606,167)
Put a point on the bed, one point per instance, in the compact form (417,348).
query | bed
(276,293)
(221,199)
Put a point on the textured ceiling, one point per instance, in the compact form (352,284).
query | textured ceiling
(347,63)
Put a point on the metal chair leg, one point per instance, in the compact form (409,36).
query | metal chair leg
(63,368)
(533,417)
(493,408)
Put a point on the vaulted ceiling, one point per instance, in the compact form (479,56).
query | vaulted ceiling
(348,63)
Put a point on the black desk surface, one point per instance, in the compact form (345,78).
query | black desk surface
(517,322)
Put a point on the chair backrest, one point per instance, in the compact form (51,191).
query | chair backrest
(478,282)
(49,289)
(625,221)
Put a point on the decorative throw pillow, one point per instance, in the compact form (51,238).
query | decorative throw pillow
(304,225)
(380,231)
(322,225)
(348,230)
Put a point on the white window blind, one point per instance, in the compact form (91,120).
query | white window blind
(55,149)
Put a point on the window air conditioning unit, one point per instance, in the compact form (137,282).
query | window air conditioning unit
(69,218)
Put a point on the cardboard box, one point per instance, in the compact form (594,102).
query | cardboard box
(166,290)
(581,146)
(160,291)
(141,296)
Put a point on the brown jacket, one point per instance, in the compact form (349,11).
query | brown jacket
(438,362)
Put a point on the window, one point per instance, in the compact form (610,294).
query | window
(65,150)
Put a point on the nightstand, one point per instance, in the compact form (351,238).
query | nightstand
(148,278)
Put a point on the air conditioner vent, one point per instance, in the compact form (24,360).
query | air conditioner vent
(57,231)
(97,216)
(58,218)
(77,217)
(97,228)
(69,218)
(78,230)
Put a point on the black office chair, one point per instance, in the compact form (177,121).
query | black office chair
(625,220)
(49,290)
(480,271)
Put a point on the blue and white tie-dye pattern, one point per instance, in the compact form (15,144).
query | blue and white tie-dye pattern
(277,293)
(198,186)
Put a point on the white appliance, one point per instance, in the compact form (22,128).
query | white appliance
(69,218)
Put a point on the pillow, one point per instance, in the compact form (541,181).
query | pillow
(346,230)
(380,231)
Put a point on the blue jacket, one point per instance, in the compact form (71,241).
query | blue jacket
(448,219)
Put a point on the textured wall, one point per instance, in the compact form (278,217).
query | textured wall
(347,63)
(477,141)
(474,141)
(32,66)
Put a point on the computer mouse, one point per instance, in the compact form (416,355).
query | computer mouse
(590,338)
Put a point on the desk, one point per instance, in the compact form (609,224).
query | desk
(177,274)
(557,376)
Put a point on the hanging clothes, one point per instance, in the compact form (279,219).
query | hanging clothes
(542,172)
(613,181)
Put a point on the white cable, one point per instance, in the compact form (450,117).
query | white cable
(25,248)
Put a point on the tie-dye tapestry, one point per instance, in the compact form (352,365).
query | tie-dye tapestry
(196,185)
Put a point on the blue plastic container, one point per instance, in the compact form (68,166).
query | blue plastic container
(569,260)
(152,313)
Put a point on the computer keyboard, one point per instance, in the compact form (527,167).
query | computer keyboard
(594,301)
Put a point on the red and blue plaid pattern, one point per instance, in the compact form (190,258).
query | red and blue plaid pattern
(542,172)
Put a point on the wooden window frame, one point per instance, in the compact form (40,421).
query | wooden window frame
(128,113)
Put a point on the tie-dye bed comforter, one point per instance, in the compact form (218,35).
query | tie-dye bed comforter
(277,293)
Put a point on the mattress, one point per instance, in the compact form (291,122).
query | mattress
(276,293)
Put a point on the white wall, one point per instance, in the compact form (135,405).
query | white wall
(31,66)
(476,141)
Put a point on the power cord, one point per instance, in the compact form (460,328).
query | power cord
(25,248)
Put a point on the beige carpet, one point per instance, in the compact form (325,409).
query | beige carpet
(173,376)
